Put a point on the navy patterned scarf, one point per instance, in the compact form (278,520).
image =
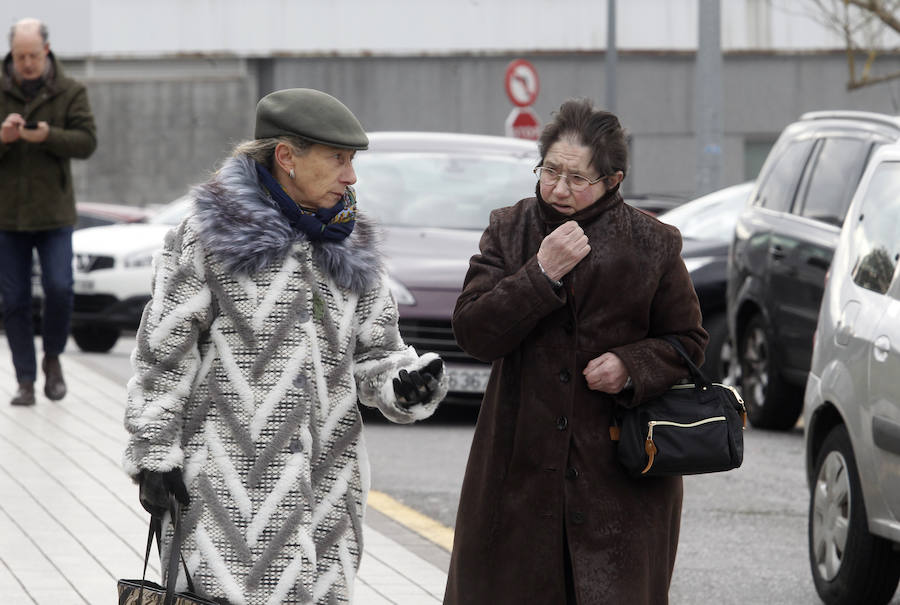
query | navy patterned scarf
(325,224)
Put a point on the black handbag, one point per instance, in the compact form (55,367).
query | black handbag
(145,592)
(690,429)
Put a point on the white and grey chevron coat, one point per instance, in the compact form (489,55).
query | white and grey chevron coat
(250,358)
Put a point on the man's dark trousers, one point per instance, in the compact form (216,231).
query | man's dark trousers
(54,249)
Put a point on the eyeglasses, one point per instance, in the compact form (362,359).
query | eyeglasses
(575,182)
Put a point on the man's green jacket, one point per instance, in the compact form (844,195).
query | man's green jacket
(36,178)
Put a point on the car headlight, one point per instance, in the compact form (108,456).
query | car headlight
(144,258)
(401,294)
(698,262)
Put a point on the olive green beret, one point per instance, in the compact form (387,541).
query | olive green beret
(309,114)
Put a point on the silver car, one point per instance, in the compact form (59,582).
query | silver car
(852,401)
(432,193)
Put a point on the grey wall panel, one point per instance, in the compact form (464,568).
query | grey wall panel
(158,136)
(764,93)
(662,163)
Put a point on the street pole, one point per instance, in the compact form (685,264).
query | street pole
(611,56)
(708,120)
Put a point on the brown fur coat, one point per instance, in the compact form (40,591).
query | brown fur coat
(541,462)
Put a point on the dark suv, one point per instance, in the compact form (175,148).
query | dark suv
(782,249)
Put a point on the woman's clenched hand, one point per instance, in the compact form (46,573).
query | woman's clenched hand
(562,250)
(606,373)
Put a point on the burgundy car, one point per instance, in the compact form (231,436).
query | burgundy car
(433,193)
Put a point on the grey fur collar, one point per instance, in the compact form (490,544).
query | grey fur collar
(244,229)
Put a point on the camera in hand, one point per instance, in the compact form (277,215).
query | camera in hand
(31,125)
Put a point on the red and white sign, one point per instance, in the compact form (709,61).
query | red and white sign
(522,84)
(523,123)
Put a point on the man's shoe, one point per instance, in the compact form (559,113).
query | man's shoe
(25,394)
(54,385)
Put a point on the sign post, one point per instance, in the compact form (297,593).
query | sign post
(522,88)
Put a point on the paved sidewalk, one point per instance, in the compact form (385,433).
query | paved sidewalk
(71,525)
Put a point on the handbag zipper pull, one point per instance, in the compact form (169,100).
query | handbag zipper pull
(740,401)
(649,447)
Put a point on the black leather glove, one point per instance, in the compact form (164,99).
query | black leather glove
(417,387)
(156,487)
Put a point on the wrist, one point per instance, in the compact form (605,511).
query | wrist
(553,282)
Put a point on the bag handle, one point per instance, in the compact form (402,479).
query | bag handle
(696,373)
(174,553)
(154,529)
(699,377)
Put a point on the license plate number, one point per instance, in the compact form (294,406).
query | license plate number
(84,286)
(468,379)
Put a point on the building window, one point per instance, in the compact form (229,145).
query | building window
(755,153)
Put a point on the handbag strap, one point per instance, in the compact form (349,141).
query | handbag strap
(153,531)
(698,376)
(174,550)
(175,553)
(696,373)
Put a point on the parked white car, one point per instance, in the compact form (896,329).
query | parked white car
(112,275)
(852,401)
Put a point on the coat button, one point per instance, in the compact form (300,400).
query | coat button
(571,473)
(561,423)
(577,518)
(564,376)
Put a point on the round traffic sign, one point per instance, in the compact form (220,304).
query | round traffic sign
(522,84)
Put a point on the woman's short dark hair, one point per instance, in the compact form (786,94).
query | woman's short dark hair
(596,129)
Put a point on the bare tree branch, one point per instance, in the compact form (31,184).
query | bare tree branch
(862,24)
(853,85)
(886,14)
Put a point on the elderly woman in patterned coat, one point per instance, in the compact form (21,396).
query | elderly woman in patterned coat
(568,298)
(270,317)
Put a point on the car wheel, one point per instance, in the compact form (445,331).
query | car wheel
(719,358)
(771,402)
(95,339)
(849,565)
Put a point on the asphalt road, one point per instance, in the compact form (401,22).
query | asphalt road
(743,533)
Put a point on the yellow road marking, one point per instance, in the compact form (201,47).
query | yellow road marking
(426,527)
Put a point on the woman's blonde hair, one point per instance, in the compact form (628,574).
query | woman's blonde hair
(262,151)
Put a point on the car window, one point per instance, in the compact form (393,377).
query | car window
(836,172)
(875,241)
(450,190)
(710,217)
(780,182)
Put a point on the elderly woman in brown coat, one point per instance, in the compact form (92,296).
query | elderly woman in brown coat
(568,298)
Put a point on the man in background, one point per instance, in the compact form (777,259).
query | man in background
(46,121)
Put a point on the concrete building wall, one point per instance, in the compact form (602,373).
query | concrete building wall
(164,126)
(174,83)
(158,134)
(763,93)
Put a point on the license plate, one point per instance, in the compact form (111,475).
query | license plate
(468,379)
(84,286)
